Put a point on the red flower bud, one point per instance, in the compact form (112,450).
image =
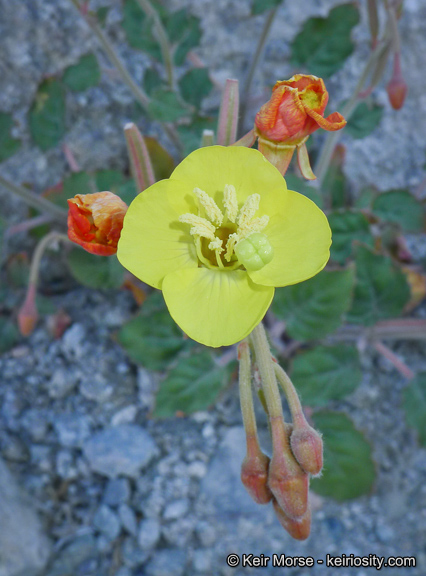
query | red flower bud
(298,529)
(286,480)
(28,315)
(254,476)
(306,445)
(95,221)
(397,88)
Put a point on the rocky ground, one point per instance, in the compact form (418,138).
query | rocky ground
(103,489)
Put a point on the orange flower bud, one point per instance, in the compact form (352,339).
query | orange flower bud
(306,445)
(298,529)
(397,88)
(254,476)
(28,315)
(95,221)
(295,110)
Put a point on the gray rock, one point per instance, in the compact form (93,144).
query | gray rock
(65,465)
(95,387)
(126,415)
(202,561)
(128,519)
(72,429)
(117,492)
(132,555)
(149,533)
(119,450)
(24,548)
(107,522)
(176,509)
(222,484)
(169,562)
(73,556)
(62,383)
(74,341)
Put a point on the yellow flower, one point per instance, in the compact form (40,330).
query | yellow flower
(218,236)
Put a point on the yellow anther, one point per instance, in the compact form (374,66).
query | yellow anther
(249,209)
(256,225)
(230,202)
(216,245)
(200,226)
(232,240)
(212,210)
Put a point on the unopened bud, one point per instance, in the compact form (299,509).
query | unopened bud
(298,529)
(254,476)
(306,445)
(287,481)
(397,88)
(28,315)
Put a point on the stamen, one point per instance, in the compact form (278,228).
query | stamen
(216,244)
(249,209)
(200,226)
(256,225)
(212,210)
(230,202)
(232,240)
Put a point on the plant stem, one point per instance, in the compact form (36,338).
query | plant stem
(395,329)
(332,138)
(137,92)
(292,398)
(162,39)
(246,397)
(38,202)
(254,62)
(38,254)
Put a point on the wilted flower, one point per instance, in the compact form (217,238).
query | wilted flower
(295,110)
(95,221)
(217,236)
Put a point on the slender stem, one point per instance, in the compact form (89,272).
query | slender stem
(162,38)
(38,254)
(255,61)
(28,225)
(292,398)
(395,329)
(38,202)
(267,372)
(332,138)
(246,397)
(392,357)
(137,92)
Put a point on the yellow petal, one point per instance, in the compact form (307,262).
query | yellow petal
(300,235)
(153,242)
(215,308)
(213,167)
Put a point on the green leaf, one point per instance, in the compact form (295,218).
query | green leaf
(364,119)
(9,335)
(326,373)
(381,289)
(127,191)
(299,185)
(83,75)
(195,85)
(47,114)
(139,29)
(8,145)
(101,14)
(184,30)
(162,163)
(152,81)
(346,227)
(323,44)
(334,185)
(314,308)
(192,385)
(166,107)
(400,207)
(152,339)
(366,197)
(349,470)
(415,405)
(77,183)
(261,6)
(109,180)
(100,272)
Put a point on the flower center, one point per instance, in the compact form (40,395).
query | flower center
(218,234)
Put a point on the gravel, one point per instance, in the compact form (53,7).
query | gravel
(106,490)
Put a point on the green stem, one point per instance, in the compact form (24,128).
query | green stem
(293,400)
(38,254)
(162,38)
(38,202)
(332,138)
(246,397)
(255,61)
